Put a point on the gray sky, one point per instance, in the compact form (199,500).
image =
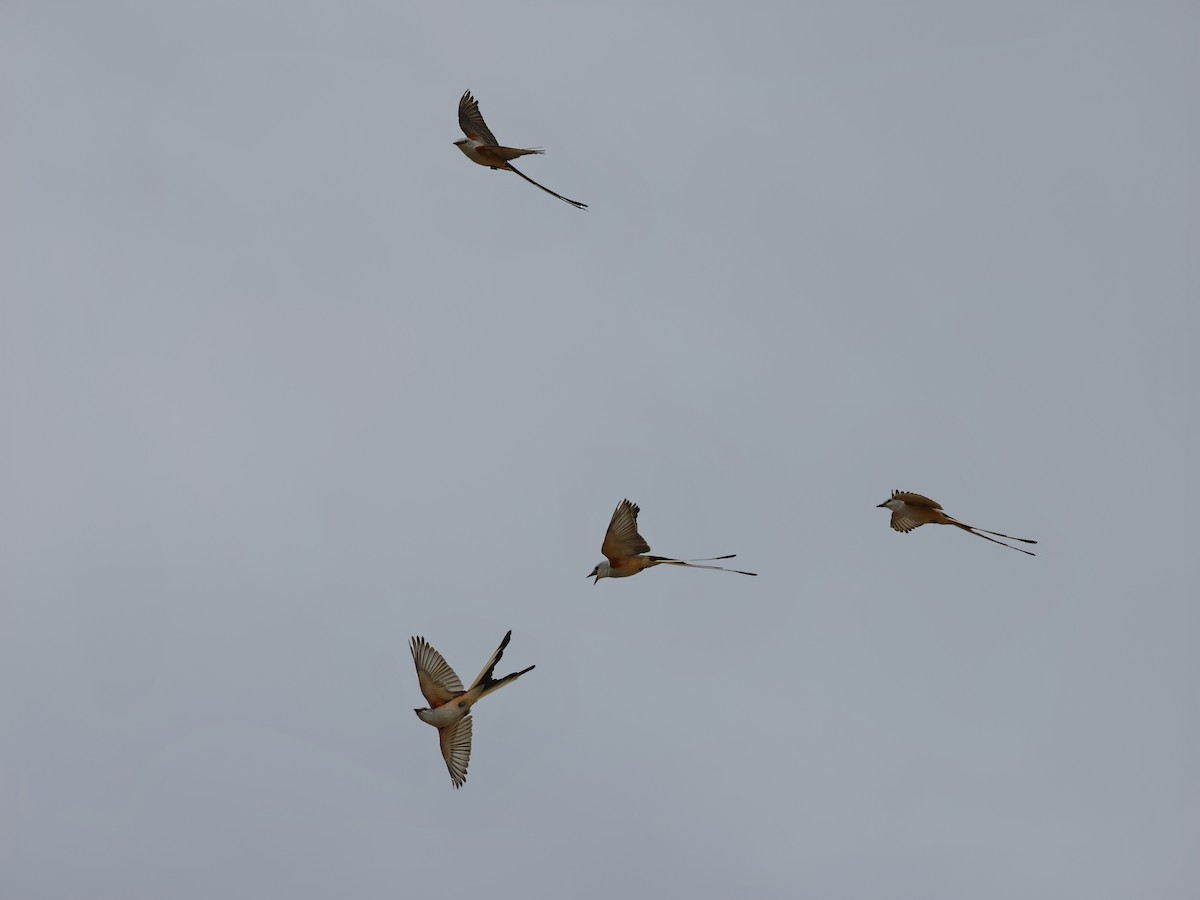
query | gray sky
(285,379)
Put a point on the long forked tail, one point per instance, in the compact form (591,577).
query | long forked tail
(692,564)
(496,684)
(574,203)
(977,532)
(485,682)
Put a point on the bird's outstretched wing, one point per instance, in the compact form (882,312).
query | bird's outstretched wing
(904,522)
(622,540)
(438,682)
(470,120)
(915,499)
(456,748)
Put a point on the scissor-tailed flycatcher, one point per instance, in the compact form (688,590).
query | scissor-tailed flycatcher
(482,147)
(622,545)
(911,511)
(450,705)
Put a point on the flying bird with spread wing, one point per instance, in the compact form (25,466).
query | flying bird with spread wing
(911,511)
(481,146)
(623,547)
(450,706)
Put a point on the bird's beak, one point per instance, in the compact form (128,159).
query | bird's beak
(881,505)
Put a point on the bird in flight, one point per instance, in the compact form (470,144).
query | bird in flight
(623,546)
(450,706)
(481,146)
(911,511)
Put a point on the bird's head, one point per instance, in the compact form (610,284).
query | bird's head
(460,143)
(601,571)
(890,503)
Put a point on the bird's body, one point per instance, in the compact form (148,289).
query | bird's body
(487,155)
(605,569)
(481,147)
(630,565)
(910,511)
(623,548)
(446,714)
(450,705)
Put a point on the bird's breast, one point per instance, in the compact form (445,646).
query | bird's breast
(469,150)
(626,567)
(444,715)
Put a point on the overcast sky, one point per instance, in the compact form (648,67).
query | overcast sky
(285,379)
